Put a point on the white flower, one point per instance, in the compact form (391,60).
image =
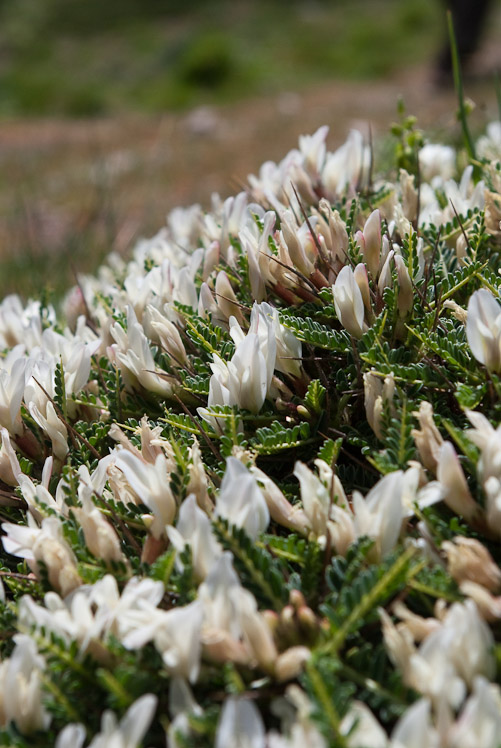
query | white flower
(240,725)
(369,241)
(464,196)
(303,732)
(194,528)
(349,302)
(288,347)
(265,327)
(361,728)
(479,723)
(92,612)
(258,255)
(45,544)
(455,491)
(54,427)
(181,705)
(315,499)
(10,470)
(21,696)
(167,334)
(14,374)
(449,658)
(281,510)
(100,536)
(241,501)
(428,438)
(414,729)
(348,166)
(483,329)
(380,514)
(437,160)
(489,145)
(71,736)
(377,394)
(151,484)
(20,324)
(244,380)
(233,628)
(134,356)
(313,150)
(299,243)
(176,634)
(129,732)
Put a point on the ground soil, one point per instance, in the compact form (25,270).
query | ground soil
(121,176)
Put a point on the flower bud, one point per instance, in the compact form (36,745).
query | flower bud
(362,280)
(371,244)
(469,560)
(409,195)
(405,297)
(428,439)
(291,662)
(226,299)
(296,599)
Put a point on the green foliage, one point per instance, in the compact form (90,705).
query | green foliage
(277,438)
(318,335)
(258,570)
(105,552)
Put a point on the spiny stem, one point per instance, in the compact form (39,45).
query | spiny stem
(458,85)
(369,601)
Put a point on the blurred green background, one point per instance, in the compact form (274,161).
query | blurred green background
(113,112)
(90,57)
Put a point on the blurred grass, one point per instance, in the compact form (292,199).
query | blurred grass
(72,190)
(88,57)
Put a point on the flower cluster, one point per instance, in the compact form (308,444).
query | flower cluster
(251,478)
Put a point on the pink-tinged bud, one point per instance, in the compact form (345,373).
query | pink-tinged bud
(206,303)
(271,619)
(372,242)
(457,311)
(452,480)
(287,616)
(376,393)
(226,299)
(461,248)
(488,605)
(296,599)
(362,280)
(483,329)
(418,626)
(280,509)
(492,212)
(349,303)
(469,560)
(409,195)
(307,620)
(428,439)
(405,298)
(211,259)
(385,279)
(291,662)
(333,232)
(290,236)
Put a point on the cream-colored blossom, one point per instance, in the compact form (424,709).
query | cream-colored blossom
(193,528)
(469,560)
(483,329)
(241,501)
(21,694)
(349,303)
